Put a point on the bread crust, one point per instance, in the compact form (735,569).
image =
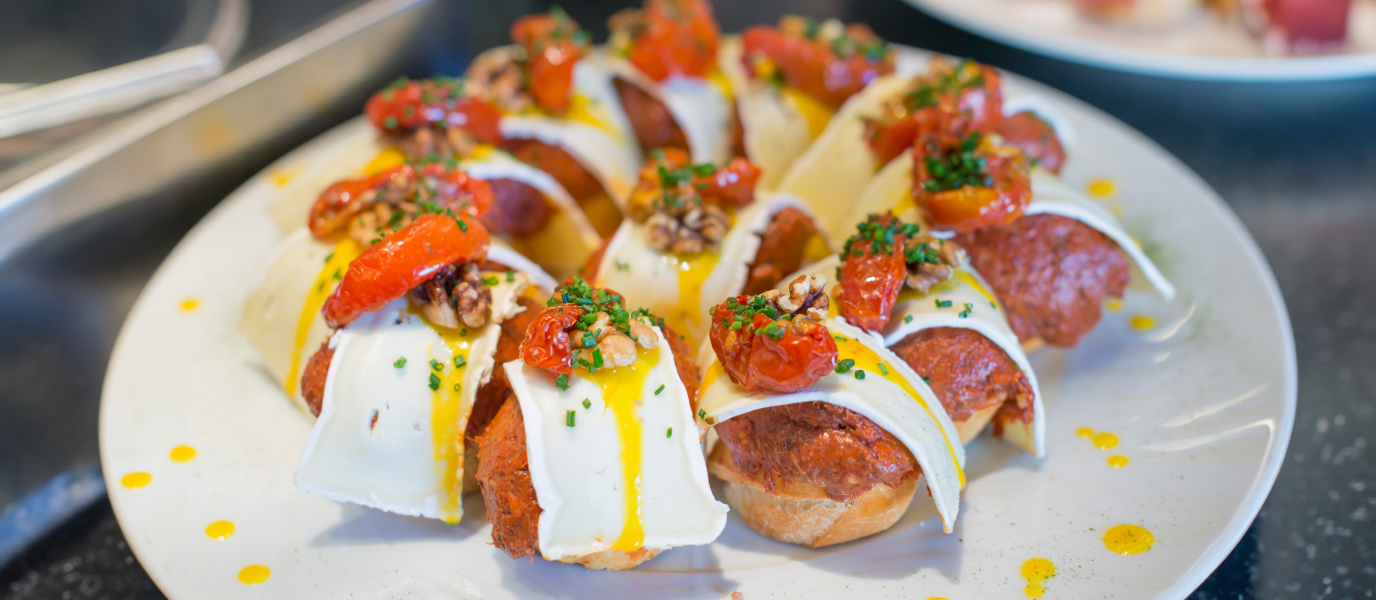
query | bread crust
(799,513)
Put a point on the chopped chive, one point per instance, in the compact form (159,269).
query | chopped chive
(460,361)
(462,225)
(436,365)
(562,382)
(569,417)
(401,362)
(457,386)
(925,379)
(621,265)
(329,256)
(882,369)
(845,365)
(587,403)
(908,319)
(434,383)
(943,303)
(702,414)
(463,332)
(859,374)
(661,388)
(670,433)
(510,276)
(490,281)
(841,338)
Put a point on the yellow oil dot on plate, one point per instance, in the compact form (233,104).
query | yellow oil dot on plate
(1142,322)
(254,574)
(1114,305)
(1104,441)
(136,480)
(1036,571)
(1117,461)
(1084,432)
(182,453)
(219,530)
(1128,540)
(1102,187)
(189,304)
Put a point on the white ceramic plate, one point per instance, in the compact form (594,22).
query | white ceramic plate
(1203,405)
(1203,48)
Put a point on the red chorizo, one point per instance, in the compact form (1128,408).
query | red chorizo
(1051,273)
(504,478)
(651,120)
(781,250)
(968,372)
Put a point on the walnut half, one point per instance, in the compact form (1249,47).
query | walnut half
(806,297)
(455,297)
(691,231)
(937,260)
(617,348)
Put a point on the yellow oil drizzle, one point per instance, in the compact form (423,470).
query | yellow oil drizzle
(1036,571)
(693,270)
(1102,187)
(449,417)
(345,251)
(387,159)
(1142,322)
(718,80)
(816,249)
(1117,461)
(905,202)
(815,113)
(1104,441)
(582,108)
(1128,540)
(254,574)
(870,362)
(281,177)
(1084,432)
(136,480)
(182,453)
(622,389)
(1114,304)
(219,530)
(189,304)
(714,371)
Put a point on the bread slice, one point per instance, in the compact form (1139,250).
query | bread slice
(800,513)
(969,428)
(614,560)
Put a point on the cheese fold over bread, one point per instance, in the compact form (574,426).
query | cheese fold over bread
(890,394)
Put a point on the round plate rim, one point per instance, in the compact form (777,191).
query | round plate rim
(1188,581)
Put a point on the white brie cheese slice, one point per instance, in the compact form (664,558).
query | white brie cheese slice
(390,432)
(628,472)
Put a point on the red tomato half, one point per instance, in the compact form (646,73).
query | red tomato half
(389,269)
(802,352)
(681,40)
(412,103)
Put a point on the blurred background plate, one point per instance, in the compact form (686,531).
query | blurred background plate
(1201,48)
(1203,405)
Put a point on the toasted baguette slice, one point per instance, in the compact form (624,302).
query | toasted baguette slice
(614,560)
(800,513)
(969,428)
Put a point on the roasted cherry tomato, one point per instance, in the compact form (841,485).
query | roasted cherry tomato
(435,182)
(950,99)
(830,71)
(680,39)
(965,184)
(732,184)
(1036,137)
(389,269)
(546,344)
(768,355)
(873,269)
(553,44)
(411,104)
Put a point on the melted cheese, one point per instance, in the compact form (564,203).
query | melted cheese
(775,133)
(336,265)
(390,432)
(629,472)
(894,397)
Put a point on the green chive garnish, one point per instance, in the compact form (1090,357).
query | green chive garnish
(661,388)
(568,418)
(460,361)
(587,403)
(434,383)
(401,362)
(845,365)
(670,433)
(859,374)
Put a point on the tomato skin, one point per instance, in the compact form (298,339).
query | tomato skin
(551,54)
(970,207)
(732,184)
(681,40)
(425,102)
(1036,137)
(343,200)
(804,354)
(390,268)
(546,344)
(949,105)
(811,66)
(870,283)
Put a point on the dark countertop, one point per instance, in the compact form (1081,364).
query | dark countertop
(1297,162)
